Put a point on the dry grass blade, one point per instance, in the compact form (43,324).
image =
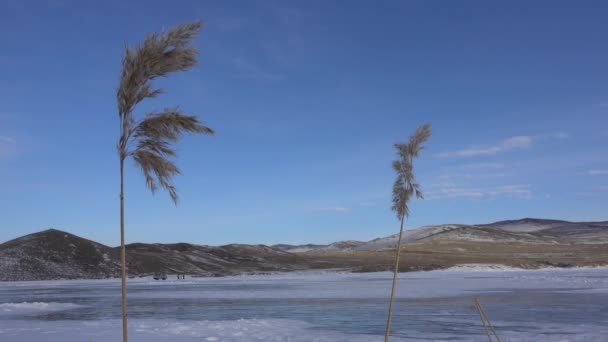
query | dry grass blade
(159,55)
(405,185)
(149,140)
(158,171)
(487,325)
(482,318)
(404,188)
(154,135)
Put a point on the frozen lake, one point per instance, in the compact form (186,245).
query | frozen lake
(542,305)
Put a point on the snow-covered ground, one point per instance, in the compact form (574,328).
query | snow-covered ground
(533,305)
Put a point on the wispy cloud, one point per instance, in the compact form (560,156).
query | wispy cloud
(597,172)
(476,166)
(512,143)
(277,52)
(338,209)
(451,190)
(230,24)
(291,16)
(556,135)
(5,115)
(367,204)
(7,140)
(256,72)
(596,191)
(471,175)
(8,146)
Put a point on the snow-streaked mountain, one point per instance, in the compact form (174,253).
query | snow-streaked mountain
(527,230)
(528,224)
(485,234)
(297,248)
(336,246)
(409,235)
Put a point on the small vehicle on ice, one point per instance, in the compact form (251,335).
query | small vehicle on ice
(160,276)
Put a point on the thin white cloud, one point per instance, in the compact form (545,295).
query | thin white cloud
(7,140)
(513,143)
(442,185)
(6,115)
(276,51)
(597,172)
(471,175)
(230,24)
(596,191)
(509,144)
(556,135)
(483,166)
(334,209)
(518,191)
(367,204)
(8,146)
(253,71)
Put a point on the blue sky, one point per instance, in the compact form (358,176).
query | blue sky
(307,99)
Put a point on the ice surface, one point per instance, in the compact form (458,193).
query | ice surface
(524,305)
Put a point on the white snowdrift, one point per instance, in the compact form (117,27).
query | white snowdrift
(35,307)
(505,268)
(151,330)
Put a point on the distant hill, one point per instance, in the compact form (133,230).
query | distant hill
(53,254)
(528,242)
(527,230)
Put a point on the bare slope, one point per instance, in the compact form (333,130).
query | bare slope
(208,260)
(53,254)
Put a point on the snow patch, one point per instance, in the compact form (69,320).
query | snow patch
(36,307)
(170,330)
(481,268)
(501,267)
